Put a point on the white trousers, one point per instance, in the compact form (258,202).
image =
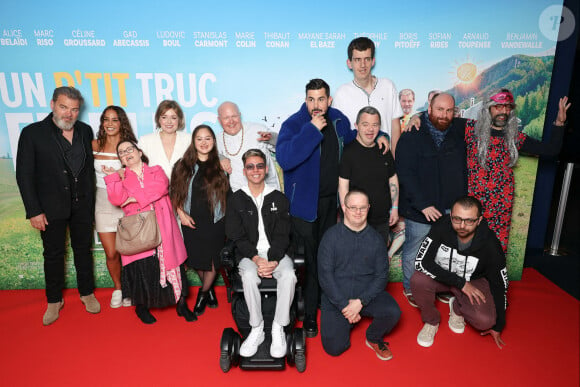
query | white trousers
(285,284)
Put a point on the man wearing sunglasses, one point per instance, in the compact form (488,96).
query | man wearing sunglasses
(258,222)
(463,256)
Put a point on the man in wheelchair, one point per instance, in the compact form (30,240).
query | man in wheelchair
(258,223)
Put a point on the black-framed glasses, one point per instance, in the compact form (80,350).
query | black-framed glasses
(356,209)
(128,150)
(251,167)
(467,221)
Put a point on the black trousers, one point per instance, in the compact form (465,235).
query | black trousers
(80,224)
(310,234)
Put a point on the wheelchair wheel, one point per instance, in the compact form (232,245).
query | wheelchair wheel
(300,349)
(229,351)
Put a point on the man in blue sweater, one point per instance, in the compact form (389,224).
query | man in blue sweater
(353,270)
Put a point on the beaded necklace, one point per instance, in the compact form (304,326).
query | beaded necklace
(226,146)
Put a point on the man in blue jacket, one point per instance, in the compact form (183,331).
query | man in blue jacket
(353,270)
(432,169)
(308,150)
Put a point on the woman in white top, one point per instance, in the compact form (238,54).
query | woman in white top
(168,143)
(114,128)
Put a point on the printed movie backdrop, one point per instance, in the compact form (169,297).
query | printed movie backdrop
(260,57)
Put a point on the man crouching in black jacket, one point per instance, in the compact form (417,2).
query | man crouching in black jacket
(461,255)
(258,222)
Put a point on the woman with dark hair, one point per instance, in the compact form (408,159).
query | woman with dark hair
(114,128)
(199,189)
(153,278)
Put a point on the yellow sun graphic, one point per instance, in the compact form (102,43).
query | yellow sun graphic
(464,73)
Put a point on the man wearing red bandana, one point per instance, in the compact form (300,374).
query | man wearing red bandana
(493,146)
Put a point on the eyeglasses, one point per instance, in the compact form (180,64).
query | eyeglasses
(356,209)
(468,221)
(122,153)
(251,167)
(504,107)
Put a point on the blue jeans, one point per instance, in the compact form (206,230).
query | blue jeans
(415,233)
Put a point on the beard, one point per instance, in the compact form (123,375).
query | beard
(439,123)
(500,120)
(62,124)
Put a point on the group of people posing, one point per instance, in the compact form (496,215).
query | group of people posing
(352,179)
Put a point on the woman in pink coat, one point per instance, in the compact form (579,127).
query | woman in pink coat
(153,278)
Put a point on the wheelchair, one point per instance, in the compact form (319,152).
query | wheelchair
(231,340)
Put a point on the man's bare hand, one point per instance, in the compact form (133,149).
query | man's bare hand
(563,106)
(39,222)
(475,295)
(431,213)
(384,144)
(319,121)
(352,311)
(267,270)
(226,165)
(414,123)
(496,337)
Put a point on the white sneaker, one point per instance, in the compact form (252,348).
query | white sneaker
(426,335)
(278,347)
(250,346)
(116,298)
(127,302)
(456,322)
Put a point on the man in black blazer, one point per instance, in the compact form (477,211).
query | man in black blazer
(55,175)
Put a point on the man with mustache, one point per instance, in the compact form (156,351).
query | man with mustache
(55,175)
(493,145)
(308,150)
(431,166)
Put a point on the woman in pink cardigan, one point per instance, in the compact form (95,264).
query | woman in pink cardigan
(153,278)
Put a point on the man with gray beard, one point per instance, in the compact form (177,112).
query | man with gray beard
(493,146)
(55,175)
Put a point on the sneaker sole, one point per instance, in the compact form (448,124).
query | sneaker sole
(379,356)
(311,335)
(424,344)
(409,301)
(277,355)
(455,330)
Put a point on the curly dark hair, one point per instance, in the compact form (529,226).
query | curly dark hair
(126,130)
(215,180)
